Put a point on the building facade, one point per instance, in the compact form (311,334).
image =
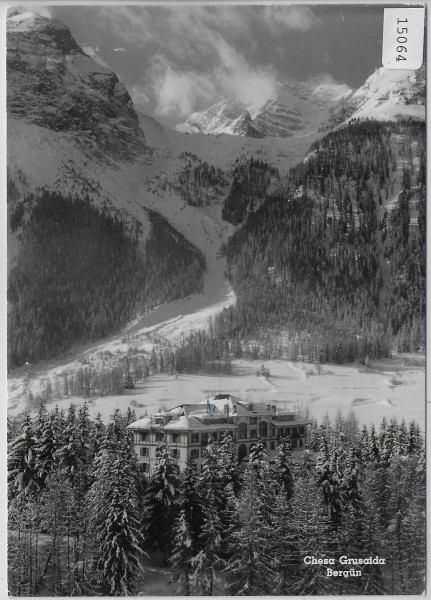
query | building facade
(186,429)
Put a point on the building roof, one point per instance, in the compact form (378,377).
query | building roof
(191,423)
(199,415)
(140,423)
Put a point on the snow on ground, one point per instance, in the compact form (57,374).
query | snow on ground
(385,388)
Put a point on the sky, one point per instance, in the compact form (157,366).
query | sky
(178,59)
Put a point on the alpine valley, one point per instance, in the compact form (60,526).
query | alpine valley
(290,231)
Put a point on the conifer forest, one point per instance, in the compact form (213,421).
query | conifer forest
(83,517)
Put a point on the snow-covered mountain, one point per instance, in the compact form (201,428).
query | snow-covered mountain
(53,83)
(387,95)
(228,116)
(298,109)
(303,108)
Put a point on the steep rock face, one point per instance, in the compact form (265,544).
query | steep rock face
(52,83)
(228,116)
(387,95)
(277,120)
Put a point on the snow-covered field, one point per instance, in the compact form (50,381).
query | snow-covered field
(385,388)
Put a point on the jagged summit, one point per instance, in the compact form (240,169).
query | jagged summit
(298,109)
(54,84)
(228,116)
(387,95)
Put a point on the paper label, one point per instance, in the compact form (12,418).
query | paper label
(403,38)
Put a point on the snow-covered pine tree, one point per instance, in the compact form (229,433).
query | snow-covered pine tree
(161,502)
(353,532)
(49,441)
(208,560)
(182,553)
(328,479)
(283,470)
(364,446)
(68,454)
(130,415)
(96,436)
(373,445)
(285,552)
(190,502)
(128,381)
(114,515)
(372,544)
(250,568)
(25,556)
(315,537)
(58,521)
(228,462)
(21,465)
(414,438)
(401,440)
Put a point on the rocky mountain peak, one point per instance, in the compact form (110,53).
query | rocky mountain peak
(387,95)
(54,84)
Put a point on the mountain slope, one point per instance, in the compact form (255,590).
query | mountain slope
(336,256)
(387,95)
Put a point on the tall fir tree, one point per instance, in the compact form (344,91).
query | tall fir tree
(161,502)
(114,510)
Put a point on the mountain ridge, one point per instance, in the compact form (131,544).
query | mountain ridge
(301,108)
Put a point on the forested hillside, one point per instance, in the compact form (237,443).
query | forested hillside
(200,184)
(250,183)
(81,515)
(336,257)
(80,274)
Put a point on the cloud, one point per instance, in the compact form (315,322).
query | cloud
(197,55)
(236,77)
(181,92)
(178,92)
(280,19)
(140,97)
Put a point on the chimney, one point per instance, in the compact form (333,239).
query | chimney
(268,406)
(274,408)
(226,410)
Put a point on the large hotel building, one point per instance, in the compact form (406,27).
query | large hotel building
(187,428)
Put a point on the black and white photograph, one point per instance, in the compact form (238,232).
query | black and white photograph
(216,292)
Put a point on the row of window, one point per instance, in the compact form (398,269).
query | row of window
(143,436)
(196,438)
(194,452)
(176,452)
